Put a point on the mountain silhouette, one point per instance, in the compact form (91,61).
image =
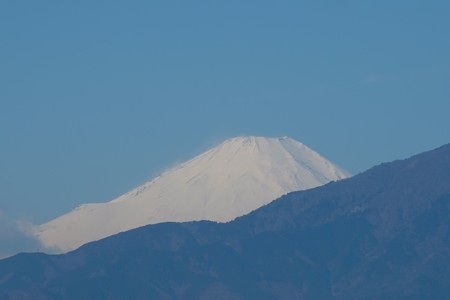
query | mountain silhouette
(382,234)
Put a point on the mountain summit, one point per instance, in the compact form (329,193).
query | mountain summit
(230,180)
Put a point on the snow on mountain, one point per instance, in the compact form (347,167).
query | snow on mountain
(230,180)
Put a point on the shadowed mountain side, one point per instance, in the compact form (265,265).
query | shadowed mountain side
(383,234)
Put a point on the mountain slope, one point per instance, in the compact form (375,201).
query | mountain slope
(383,234)
(221,184)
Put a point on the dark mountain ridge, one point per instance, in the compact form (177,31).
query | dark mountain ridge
(383,234)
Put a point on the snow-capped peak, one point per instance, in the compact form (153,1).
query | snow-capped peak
(225,182)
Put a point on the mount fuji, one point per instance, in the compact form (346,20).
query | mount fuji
(225,182)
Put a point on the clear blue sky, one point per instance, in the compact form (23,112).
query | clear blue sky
(96,97)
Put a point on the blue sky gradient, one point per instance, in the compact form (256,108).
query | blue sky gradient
(96,97)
